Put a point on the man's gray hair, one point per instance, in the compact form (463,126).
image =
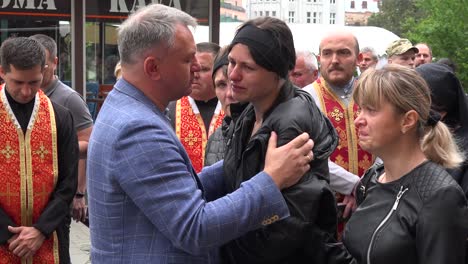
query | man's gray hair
(371,51)
(310,60)
(148,27)
(48,43)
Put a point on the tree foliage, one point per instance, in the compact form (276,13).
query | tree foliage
(441,24)
(444,27)
(392,14)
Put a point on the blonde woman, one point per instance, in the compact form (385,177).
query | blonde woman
(411,210)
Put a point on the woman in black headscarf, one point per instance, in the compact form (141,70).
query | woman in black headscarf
(448,98)
(260,57)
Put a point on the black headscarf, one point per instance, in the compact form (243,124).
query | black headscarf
(265,49)
(447,95)
(220,61)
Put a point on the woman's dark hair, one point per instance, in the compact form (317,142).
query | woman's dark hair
(280,56)
(450,63)
(221,62)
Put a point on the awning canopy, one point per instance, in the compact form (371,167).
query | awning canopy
(308,36)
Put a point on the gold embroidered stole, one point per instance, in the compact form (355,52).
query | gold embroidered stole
(28,172)
(191,130)
(348,154)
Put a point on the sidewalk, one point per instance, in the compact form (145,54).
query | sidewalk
(79,243)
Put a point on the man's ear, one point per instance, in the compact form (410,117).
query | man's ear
(410,120)
(152,67)
(359,59)
(2,72)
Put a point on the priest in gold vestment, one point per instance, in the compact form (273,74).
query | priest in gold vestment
(38,160)
(339,57)
(196,117)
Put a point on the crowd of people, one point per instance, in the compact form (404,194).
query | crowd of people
(251,153)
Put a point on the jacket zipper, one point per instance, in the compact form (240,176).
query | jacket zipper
(395,205)
(363,190)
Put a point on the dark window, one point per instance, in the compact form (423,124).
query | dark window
(364,4)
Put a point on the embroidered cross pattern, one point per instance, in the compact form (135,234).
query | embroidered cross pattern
(43,194)
(8,194)
(42,151)
(191,140)
(337,115)
(8,151)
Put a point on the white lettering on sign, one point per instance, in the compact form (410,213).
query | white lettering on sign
(50,4)
(120,6)
(141,3)
(29,4)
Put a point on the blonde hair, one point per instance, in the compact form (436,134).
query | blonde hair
(406,90)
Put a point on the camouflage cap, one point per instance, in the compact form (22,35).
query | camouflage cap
(399,47)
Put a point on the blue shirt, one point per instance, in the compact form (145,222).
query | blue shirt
(146,203)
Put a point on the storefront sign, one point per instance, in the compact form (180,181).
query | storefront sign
(29,4)
(120,9)
(47,9)
(99,10)
(120,6)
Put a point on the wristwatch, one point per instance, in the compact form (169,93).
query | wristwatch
(79,195)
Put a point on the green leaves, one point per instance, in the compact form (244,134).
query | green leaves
(445,29)
(441,24)
(392,15)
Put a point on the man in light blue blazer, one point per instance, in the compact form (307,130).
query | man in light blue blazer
(147,205)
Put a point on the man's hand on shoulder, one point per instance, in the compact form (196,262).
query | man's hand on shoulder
(26,241)
(288,163)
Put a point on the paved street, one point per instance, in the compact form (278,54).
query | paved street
(79,243)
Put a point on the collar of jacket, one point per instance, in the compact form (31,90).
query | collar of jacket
(286,92)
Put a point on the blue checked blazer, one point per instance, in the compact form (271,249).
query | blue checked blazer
(146,203)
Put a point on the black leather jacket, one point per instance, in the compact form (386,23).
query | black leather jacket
(311,202)
(216,145)
(420,218)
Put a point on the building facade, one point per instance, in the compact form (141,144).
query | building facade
(324,12)
(232,11)
(357,12)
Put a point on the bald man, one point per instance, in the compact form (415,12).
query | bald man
(424,54)
(339,56)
